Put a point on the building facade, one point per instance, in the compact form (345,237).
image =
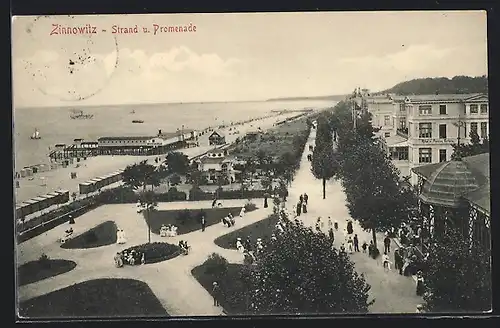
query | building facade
(216,138)
(425,127)
(215,165)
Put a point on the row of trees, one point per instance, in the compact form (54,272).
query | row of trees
(299,272)
(376,197)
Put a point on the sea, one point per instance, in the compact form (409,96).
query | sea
(55,125)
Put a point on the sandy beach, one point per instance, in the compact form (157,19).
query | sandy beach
(46,182)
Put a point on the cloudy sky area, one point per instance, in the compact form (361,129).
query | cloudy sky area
(237,57)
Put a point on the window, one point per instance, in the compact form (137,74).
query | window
(473,127)
(402,122)
(402,108)
(473,109)
(387,134)
(484,129)
(484,109)
(442,109)
(425,110)
(399,153)
(425,155)
(387,120)
(442,131)
(442,155)
(425,130)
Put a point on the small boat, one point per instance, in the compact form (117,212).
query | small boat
(36,135)
(137,121)
(79,115)
(132,112)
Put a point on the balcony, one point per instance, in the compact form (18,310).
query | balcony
(402,132)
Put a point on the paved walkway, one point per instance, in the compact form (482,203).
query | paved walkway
(171,281)
(392,292)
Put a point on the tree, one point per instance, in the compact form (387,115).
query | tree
(146,205)
(374,195)
(178,163)
(458,278)
(175,179)
(138,177)
(300,272)
(324,164)
(475,147)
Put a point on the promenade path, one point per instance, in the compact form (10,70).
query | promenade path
(393,293)
(171,281)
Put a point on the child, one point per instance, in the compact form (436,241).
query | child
(385,261)
(364,246)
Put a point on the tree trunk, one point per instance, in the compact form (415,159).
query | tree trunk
(149,228)
(324,188)
(374,235)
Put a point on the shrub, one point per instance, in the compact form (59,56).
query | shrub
(155,252)
(216,266)
(175,179)
(197,194)
(249,206)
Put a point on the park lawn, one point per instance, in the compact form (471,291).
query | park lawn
(261,229)
(96,298)
(212,216)
(232,289)
(275,142)
(34,271)
(102,235)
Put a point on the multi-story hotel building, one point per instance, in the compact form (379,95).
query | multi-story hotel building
(424,127)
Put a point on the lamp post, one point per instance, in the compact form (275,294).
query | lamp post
(459,124)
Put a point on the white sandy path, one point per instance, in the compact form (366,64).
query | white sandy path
(171,281)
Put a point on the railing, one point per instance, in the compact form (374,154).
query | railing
(402,132)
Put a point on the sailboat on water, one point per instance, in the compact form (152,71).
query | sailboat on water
(36,135)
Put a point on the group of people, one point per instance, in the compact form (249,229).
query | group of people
(169,230)
(184,247)
(67,235)
(130,257)
(302,204)
(228,220)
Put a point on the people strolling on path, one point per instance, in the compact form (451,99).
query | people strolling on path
(216,293)
(356,243)
(330,224)
(331,234)
(203,223)
(350,245)
(386,263)
(306,198)
(350,230)
(364,246)
(387,243)
(299,208)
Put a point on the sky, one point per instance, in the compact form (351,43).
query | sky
(237,57)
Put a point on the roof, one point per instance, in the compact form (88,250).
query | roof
(210,160)
(127,138)
(168,135)
(396,141)
(217,133)
(481,197)
(440,97)
(215,151)
(447,182)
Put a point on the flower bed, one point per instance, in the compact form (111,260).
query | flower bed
(153,252)
(102,235)
(96,298)
(43,268)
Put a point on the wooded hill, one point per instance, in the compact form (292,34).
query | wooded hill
(441,85)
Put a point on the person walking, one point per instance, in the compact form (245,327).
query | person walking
(305,198)
(203,223)
(331,235)
(349,245)
(364,246)
(356,243)
(299,208)
(216,293)
(350,230)
(385,261)
(387,243)
(330,224)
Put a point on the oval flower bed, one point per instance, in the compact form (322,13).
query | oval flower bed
(152,252)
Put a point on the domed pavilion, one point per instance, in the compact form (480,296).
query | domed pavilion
(455,195)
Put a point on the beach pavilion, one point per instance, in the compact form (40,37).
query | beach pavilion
(455,195)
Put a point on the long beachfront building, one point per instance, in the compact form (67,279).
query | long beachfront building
(126,145)
(422,129)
